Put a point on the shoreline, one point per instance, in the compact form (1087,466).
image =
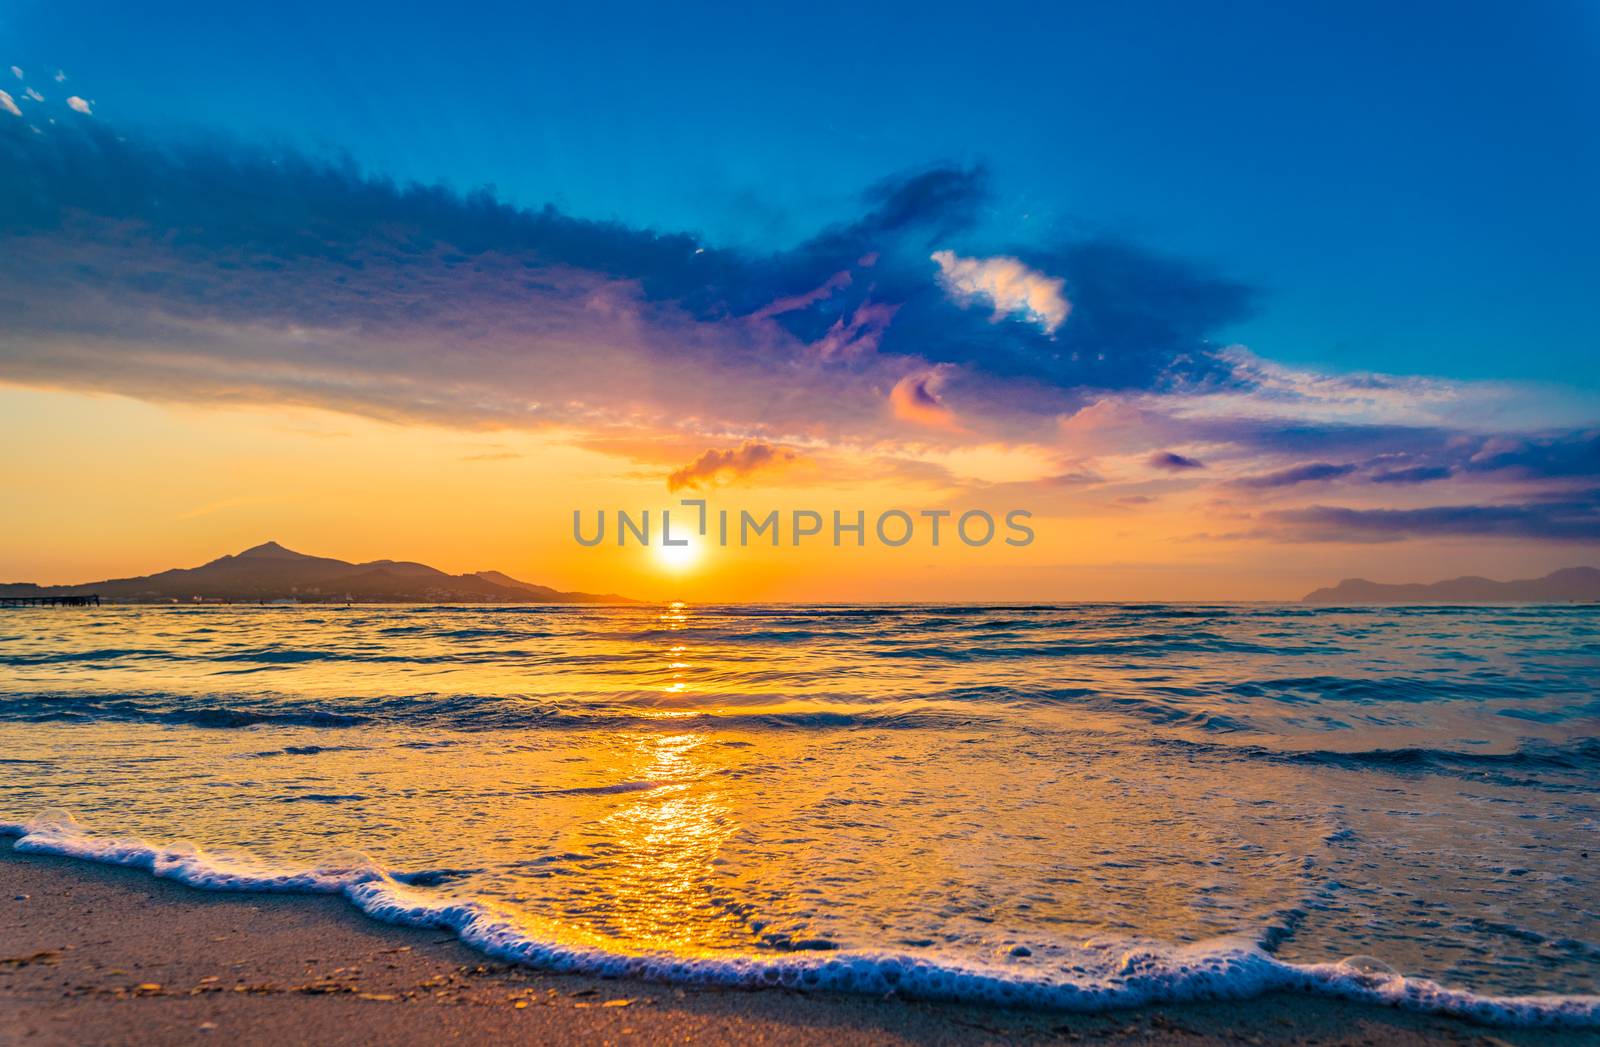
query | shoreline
(111,955)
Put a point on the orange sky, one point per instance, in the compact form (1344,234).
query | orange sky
(103,486)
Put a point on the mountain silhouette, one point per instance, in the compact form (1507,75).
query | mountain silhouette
(1569,585)
(270,572)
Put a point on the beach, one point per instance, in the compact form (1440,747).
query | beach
(105,955)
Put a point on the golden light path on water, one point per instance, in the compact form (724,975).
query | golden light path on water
(996,785)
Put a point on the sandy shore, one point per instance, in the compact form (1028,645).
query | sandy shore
(97,955)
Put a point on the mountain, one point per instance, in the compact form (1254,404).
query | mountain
(271,572)
(1569,585)
(539,593)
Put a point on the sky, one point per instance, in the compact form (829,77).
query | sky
(1235,304)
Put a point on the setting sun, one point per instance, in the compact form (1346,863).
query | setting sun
(678,558)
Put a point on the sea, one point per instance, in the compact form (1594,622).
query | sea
(1076,807)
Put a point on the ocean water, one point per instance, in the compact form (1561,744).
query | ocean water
(1071,806)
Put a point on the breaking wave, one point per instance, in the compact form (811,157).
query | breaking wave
(1090,977)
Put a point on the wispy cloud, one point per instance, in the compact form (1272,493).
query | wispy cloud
(79,105)
(794,302)
(1566,521)
(1310,472)
(9,104)
(1171,461)
(1543,456)
(1417,474)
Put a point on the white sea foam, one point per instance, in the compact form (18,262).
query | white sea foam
(1103,976)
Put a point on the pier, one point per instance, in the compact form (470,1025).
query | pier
(92,600)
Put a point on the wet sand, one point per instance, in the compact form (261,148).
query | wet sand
(91,954)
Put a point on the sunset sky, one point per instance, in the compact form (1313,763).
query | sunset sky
(1236,307)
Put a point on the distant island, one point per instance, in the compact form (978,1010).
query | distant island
(1569,585)
(269,573)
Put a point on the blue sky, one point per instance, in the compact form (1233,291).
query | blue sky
(1408,188)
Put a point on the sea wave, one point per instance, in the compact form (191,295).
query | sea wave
(1099,975)
(1559,766)
(461,712)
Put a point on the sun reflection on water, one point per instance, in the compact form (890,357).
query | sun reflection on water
(662,889)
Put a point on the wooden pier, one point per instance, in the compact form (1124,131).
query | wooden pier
(92,600)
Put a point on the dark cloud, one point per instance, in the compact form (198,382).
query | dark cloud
(1139,321)
(1174,462)
(208,270)
(1417,474)
(1572,520)
(1551,456)
(1311,472)
(1409,456)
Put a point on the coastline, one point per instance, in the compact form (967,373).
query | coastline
(109,955)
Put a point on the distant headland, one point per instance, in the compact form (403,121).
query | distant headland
(269,573)
(1569,585)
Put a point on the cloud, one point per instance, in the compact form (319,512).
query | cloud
(1575,454)
(858,336)
(35,95)
(216,273)
(207,271)
(791,303)
(717,466)
(1173,462)
(1418,474)
(9,104)
(1312,472)
(60,77)
(1008,285)
(915,398)
(1261,389)
(16,72)
(78,105)
(1564,521)
(213,272)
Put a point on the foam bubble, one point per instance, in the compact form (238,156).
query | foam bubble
(1100,976)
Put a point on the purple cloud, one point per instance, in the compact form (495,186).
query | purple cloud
(1312,472)
(216,273)
(1173,462)
(1565,521)
(1419,474)
(1543,457)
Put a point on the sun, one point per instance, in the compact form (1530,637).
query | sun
(678,558)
